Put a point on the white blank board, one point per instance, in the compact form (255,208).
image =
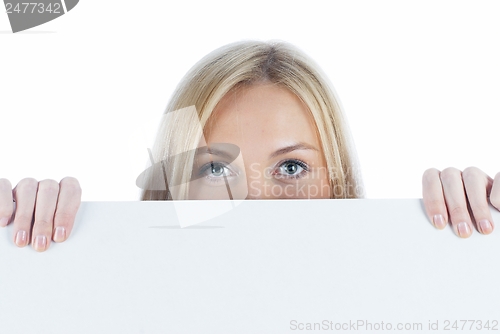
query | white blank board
(265,267)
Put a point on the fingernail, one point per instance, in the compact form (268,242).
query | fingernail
(463,229)
(40,242)
(439,222)
(21,238)
(4,222)
(485,226)
(59,234)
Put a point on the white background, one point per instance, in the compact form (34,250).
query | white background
(128,268)
(419,82)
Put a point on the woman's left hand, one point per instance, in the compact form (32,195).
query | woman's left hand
(462,198)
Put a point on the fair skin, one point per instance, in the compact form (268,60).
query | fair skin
(45,211)
(277,162)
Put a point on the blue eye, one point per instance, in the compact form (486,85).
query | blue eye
(215,171)
(292,169)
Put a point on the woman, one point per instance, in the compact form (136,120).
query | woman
(251,120)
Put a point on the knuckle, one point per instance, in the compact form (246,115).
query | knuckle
(64,218)
(71,184)
(43,223)
(449,173)
(457,211)
(23,217)
(29,184)
(70,180)
(5,185)
(48,186)
(480,209)
(434,204)
(471,172)
(429,174)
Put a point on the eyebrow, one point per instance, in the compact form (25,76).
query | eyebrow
(281,151)
(214,151)
(291,148)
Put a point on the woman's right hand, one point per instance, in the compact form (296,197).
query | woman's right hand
(461,198)
(39,211)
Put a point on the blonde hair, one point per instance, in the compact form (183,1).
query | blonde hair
(246,63)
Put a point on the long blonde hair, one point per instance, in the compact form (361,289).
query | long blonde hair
(246,63)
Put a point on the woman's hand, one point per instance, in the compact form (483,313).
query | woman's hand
(41,211)
(462,198)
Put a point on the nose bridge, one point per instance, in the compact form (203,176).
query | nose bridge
(254,180)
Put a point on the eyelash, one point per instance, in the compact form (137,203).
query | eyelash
(302,164)
(279,165)
(209,166)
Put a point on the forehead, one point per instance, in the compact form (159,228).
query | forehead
(261,114)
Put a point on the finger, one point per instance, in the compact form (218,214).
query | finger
(433,197)
(25,195)
(6,206)
(477,185)
(70,194)
(495,192)
(456,203)
(45,207)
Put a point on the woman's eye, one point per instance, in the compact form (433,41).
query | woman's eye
(215,171)
(292,169)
